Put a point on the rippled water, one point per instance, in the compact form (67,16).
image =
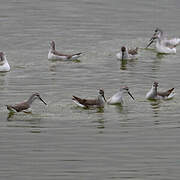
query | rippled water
(61,141)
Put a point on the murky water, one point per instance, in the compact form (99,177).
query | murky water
(61,141)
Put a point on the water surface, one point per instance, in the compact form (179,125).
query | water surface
(61,141)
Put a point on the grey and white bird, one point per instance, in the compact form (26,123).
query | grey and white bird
(154,94)
(87,103)
(56,55)
(4,65)
(163,44)
(127,54)
(117,98)
(25,106)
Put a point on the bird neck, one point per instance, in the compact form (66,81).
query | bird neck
(154,90)
(31,99)
(53,47)
(3,60)
(159,41)
(101,99)
(126,55)
(161,35)
(120,94)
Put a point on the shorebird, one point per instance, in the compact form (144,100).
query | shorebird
(154,94)
(164,45)
(55,55)
(24,106)
(127,54)
(87,103)
(4,66)
(118,97)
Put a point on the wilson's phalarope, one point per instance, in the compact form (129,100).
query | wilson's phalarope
(164,45)
(153,94)
(4,66)
(86,103)
(55,55)
(172,42)
(127,54)
(25,105)
(118,97)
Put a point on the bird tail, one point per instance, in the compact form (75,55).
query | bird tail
(10,108)
(75,98)
(170,90)
(77,54)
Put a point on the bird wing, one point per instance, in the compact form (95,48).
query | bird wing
(85,102)
(20,107)
(169,45)
(133,51)
(166,93)
(174,41)
(67,55)
(77,54)
(59,54)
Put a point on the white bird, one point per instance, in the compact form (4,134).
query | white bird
(55,55)
(118,97)
(87,103)
(4,66)
(127,54)
(154,94)
(164,45)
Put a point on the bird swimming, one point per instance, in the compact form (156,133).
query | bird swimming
(55,55)
(118,97)
(127,54)
(164,45)
(154,94)
(87,103)
(4,65)
(26,104)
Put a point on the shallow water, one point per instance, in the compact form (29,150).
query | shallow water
(62,141)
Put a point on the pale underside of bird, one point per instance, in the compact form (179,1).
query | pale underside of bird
(56,55)
(99,102)
(154,94)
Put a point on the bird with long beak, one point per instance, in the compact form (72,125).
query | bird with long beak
(158,33)
(4,65)
(162,45)
(118,97)
(154,94)
(25,106)
(55,55)
(127,54)
(87,103)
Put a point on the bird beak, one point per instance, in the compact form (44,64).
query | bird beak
(122,55)
(42,100)
(151,40)
(131,95)
(104,98)
(153,37)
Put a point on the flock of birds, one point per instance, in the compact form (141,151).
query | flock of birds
(162,45)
